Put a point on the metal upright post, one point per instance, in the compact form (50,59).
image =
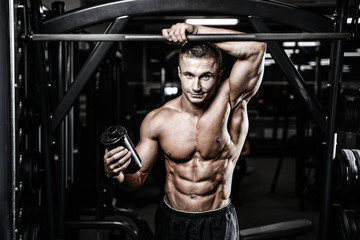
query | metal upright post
(58,55)
(45,124)
(59,52)
(335,78)
(5,143)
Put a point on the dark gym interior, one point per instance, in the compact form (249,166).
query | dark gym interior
(300,179)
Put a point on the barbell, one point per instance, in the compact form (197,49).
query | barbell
(329,36)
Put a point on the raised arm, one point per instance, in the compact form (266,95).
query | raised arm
(246,74)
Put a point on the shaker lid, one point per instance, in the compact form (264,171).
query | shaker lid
(113,134)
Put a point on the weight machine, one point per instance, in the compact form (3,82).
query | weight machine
(15,49)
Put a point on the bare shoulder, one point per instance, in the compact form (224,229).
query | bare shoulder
(159,113)
(157,118)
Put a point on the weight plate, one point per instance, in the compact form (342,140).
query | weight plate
(356,218)
(351,165)
(340,227)
(352,226)
(32,170)
(339,173)
(357,160)
(349,116)
(357,221)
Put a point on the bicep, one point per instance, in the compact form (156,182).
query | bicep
(148,146)
(148,152)
(245,78)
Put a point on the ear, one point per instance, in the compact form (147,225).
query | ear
(219,76)
(179,71)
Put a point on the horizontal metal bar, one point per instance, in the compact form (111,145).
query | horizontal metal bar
(97,225)
(122,226)
(193,37)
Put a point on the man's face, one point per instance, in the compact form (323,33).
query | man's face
(199,77)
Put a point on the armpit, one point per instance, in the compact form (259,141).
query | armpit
(240,100)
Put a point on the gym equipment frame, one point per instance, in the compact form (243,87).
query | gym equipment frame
(119,13)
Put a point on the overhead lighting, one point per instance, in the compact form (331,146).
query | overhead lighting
(267,55)
(269,62)
(309,44)
(351,54)
(301,44)
(289,44)
(170,91)
(325,62)
(212,21)
(306,67)
(349,20)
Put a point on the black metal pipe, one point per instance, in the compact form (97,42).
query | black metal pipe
(45,123)
(284,144)
(85,73)
(271,11)
(294,77)
(198,37)
(103,225)
(300,152)
(58,71)
(5,147)
(335,77)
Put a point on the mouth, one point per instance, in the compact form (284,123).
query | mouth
(197,95)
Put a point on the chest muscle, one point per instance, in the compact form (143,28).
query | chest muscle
(206,138)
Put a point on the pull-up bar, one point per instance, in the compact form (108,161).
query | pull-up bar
(192,37)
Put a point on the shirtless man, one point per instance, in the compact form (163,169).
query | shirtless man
(200,133)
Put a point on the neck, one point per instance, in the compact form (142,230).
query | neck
(193,109)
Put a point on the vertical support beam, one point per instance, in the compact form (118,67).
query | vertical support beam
(335,78)
(59,59)
(45,124)
(300,149)
(5,146)
(284,143)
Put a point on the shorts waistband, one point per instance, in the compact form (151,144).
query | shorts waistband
(221,210)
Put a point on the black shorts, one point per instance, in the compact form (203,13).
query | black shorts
(171,224)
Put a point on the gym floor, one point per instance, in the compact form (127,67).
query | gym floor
(256,207)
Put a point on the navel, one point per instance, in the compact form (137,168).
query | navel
(218,139)
(168,154)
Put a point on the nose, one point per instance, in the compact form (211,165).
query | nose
(196,85)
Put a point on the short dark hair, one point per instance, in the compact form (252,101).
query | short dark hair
(202,50)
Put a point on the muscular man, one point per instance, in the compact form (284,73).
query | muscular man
(200,133)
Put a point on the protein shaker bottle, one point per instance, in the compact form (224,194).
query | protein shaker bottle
(116,136)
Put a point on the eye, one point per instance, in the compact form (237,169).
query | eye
(206,76)
(188,75)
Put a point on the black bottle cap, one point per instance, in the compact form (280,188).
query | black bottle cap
(112,137)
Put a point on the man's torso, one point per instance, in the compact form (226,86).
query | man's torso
(200,153)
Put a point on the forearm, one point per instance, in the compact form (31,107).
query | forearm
(239,49)
(129,182)
(200,29)
(147,150)
(246,74)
